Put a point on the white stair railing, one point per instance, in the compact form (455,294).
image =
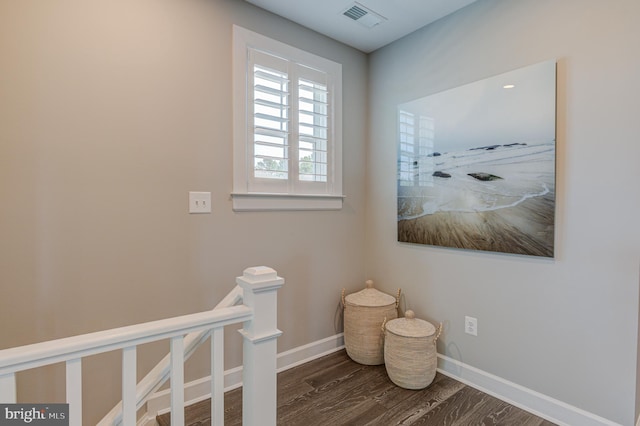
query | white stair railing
(160,373)
(258,286)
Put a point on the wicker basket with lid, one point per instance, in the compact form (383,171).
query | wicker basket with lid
(410,351)
(364,313)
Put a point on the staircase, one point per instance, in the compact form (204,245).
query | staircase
(257,289)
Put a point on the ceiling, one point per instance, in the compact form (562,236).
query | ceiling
(379,22)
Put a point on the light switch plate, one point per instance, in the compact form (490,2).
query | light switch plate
(199,202)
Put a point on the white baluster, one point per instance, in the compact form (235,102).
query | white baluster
(217,377)
(74,391)
(8,389)
(129,381)
(259,390)
(177,381)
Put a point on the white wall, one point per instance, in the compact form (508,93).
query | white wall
(564,327)
(110,112)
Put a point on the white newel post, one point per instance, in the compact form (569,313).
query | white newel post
(259,399)
(8,388)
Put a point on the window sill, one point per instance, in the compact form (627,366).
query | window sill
(271,202)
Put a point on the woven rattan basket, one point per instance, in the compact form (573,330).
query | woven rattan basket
(410,351)
(364,313)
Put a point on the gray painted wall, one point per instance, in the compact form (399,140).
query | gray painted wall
(564,327)
(110,112)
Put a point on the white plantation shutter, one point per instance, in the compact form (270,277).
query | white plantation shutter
(290,139)
(291,142)
(269,112)
(270,127)
(313,130)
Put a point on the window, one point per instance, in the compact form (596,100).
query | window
(287,127)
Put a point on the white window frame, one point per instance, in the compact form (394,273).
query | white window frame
(291,194)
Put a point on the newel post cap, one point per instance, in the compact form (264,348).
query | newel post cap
(260,273)
(259,278)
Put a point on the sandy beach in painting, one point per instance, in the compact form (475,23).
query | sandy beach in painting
(495,198)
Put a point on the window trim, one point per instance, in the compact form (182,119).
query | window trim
(242,198)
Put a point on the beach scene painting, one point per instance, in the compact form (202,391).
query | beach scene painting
(476,165)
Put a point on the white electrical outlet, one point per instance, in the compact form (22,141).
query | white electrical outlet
(199,202)
(471,326)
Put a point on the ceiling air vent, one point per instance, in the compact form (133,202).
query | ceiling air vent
(364,16)
(355,12)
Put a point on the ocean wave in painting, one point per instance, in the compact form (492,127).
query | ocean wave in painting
(478,179)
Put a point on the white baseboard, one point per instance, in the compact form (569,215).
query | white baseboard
(534,402)
(302,354)
(198,390)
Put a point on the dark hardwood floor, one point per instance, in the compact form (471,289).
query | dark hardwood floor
(334,390)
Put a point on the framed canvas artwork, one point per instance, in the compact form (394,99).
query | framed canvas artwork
(476,165)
